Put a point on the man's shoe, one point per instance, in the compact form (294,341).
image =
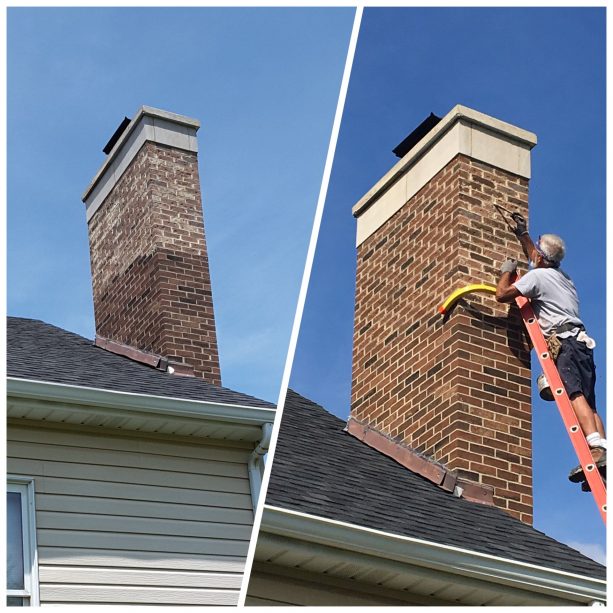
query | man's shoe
(599,455)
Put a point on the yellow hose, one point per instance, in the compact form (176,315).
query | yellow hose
(475,287)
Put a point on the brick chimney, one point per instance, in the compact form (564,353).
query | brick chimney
(456,391)
(150,272)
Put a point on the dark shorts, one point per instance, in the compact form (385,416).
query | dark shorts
(577,370)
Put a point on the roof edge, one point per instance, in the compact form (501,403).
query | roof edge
(463,562)
(167,406)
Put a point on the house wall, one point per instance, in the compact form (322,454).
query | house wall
(135,519)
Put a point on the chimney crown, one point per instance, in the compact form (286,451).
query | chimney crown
(462,131)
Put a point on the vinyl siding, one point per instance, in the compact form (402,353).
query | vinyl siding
(124,519)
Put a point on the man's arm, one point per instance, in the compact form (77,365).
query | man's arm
(521,231)
(505,290)
(528,246)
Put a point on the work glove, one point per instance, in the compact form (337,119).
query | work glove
(521,225)
(509,266)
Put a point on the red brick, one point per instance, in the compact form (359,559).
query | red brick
(449,380)
(149,264)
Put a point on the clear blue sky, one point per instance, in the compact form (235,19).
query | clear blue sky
(540,69)
(263,82)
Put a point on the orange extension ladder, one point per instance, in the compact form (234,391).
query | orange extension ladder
(577,438)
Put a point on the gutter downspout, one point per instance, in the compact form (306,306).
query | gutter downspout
(256,463)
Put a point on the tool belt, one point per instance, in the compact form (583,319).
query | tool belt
(554,344)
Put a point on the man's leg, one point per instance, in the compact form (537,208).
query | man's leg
(586,416)
(593,429)
(599,425)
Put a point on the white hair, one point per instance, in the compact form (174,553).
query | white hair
(553,247)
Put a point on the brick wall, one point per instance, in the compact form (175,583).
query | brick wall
(150,272)
(456,390)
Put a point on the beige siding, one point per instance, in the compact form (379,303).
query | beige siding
(134,519)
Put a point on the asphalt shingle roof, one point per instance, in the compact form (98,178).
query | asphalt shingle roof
(40,351)
(321,470)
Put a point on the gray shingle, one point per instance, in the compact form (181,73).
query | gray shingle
(321,470)
(40,351)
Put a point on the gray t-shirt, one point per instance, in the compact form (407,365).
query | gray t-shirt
(553,297)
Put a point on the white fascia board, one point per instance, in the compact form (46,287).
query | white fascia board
(455,560)
(140,403)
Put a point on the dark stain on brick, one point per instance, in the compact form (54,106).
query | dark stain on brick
(370,362)
(434,370)
(494,389)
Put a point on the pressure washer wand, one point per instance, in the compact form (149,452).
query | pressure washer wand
(505,214)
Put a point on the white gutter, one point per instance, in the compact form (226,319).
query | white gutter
(256,464)
(449,559)
(143,403)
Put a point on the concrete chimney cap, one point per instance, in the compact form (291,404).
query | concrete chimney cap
(461,131)
(458,114)
(148,123)
(174,117)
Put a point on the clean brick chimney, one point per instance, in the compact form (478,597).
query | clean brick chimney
(150,272)
(454,390)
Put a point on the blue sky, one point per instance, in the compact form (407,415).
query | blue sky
(263,82)
(540,69)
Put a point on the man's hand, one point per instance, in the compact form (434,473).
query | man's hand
(505,290)
(521,227)
(509,266)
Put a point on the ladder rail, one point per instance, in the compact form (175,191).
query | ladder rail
(571,423)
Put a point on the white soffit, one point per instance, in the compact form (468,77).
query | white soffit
(317,544)
(59,403)
(149,124)
(462,130)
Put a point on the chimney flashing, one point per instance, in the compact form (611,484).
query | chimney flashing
(428,468)
(462,130)
(128,351)
(149,124)
(162,363)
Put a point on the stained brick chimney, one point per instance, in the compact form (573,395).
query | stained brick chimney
(455,390)
(150,271)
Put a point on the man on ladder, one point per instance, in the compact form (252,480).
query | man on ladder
(556,305)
